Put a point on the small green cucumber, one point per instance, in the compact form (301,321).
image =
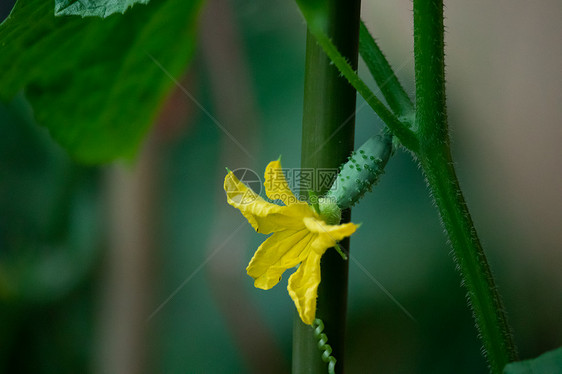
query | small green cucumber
(361,172)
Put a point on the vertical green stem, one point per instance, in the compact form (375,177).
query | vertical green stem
(435,158)
(328,134)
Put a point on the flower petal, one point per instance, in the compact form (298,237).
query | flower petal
(264,217)
(276,186)
(281,251)
(328,235)
(303,287)
(250,204)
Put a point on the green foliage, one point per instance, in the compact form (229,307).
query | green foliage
(96,8)
(92,82)
(50,226)
(549,362)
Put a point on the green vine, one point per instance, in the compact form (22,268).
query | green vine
(384,76)
(423,130)
(436,161)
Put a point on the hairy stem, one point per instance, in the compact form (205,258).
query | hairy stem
(435,158)
(328,134)
(380,69)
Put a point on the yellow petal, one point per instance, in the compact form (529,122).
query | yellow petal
(250,204)
(328,235)
(264,217)
(276,186)
(281,251)
(303,287)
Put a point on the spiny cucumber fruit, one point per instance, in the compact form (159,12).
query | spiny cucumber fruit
(361,172)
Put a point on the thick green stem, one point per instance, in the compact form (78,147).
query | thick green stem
(435,158)
(328,134)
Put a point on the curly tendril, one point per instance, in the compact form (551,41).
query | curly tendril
(323,345)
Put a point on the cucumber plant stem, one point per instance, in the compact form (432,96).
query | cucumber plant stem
(384,76)
(435,157)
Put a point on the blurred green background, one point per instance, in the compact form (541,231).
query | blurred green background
(139,267)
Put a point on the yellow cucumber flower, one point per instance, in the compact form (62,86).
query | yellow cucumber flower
(300,236)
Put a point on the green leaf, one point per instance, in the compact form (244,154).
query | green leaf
(94,82)
(93,8)
(547,363)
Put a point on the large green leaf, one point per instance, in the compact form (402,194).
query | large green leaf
(93,82)
(547,363)
(97,8)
